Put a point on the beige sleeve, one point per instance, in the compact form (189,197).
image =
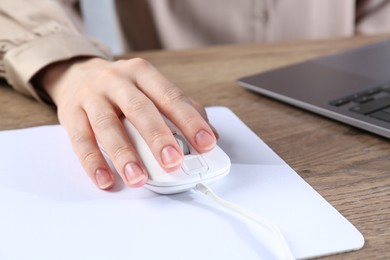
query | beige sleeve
(373,17)
(34,34)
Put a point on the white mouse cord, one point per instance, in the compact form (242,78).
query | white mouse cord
(203,188)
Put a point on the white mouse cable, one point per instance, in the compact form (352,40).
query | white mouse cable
(203,188)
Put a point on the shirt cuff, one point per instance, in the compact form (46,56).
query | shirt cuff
(22,63)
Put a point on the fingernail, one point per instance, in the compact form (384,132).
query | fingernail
(170,157)
(204,140)
(103,179)
(134,173)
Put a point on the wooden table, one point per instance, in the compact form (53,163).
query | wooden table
(349,167)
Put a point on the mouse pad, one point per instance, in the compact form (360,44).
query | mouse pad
(51,210)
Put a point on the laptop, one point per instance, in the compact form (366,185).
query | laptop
(352,87)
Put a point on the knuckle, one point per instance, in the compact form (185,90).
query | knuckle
(135,104)
(110,72)
(122,68)
(78,136)
(189,122)
(130,64)
(122,151)
(156,135)
(173,96)
(90,158)
(139,63)
(104,120)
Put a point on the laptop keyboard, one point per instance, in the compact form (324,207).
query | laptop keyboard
(374,102)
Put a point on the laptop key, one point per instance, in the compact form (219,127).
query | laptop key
(339,102)
(373,91)
(381,115)
(361,97)
(387,110)
(372,106)
(364,99)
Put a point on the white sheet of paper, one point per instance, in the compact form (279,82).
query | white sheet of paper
(49,209)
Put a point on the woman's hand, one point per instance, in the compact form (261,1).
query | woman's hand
(92,94)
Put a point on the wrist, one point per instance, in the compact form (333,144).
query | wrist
(48,80)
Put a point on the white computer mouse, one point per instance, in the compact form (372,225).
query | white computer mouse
(206,167)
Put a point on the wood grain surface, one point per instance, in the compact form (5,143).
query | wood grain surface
(347,166)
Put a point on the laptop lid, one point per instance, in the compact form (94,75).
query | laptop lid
(349,86)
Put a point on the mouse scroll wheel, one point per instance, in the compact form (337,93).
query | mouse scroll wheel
(182,143)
